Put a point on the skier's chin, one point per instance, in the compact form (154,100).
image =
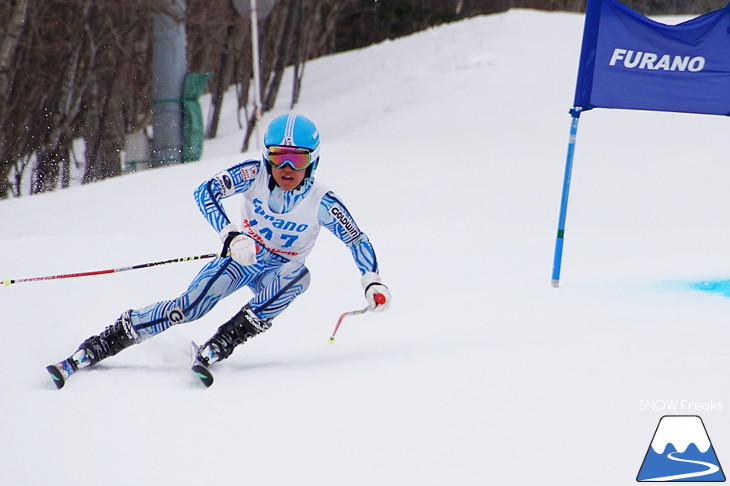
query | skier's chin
(287,184)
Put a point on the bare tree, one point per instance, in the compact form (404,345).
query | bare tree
(17,15)
(65,62)
(80,69)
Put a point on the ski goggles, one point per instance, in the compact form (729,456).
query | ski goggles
(297,158)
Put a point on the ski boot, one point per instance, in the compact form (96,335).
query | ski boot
(242,327)
(113,339)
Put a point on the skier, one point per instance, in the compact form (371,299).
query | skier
(282,211)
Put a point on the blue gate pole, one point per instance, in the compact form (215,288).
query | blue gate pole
(557,260)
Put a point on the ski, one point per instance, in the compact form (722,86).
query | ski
(61,371)
(199,368)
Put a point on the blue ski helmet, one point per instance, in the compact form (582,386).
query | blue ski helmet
(292,130)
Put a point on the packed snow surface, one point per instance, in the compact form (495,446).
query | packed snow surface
(448,146)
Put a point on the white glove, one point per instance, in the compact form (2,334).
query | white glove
(242,248)
(377,294)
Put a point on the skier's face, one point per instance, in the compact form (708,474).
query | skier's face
(288,178)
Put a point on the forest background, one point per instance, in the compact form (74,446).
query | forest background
(80,70)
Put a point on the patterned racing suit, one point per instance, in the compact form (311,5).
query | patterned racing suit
(284,224)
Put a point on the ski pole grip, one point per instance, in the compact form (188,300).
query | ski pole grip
(227,243)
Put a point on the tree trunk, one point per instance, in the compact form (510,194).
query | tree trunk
(64,107)
(8,46)
(283,57)
(105,137)
(301,51)
(250,128)
(47,169)
(220,86)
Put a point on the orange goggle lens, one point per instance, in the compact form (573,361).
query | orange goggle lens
(297,158)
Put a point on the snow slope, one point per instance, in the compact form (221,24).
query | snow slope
(448,146)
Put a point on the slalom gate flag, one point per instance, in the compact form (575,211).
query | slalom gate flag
(630,61)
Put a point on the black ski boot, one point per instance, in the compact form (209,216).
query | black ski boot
(113,339)
(242,327)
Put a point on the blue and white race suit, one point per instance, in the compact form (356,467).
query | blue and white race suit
(284,224)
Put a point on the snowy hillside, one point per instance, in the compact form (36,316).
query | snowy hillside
(448,147)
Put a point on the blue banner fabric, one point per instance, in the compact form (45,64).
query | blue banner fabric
(630,61)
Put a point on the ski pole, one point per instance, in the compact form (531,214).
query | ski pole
(379,298)
(8,281)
